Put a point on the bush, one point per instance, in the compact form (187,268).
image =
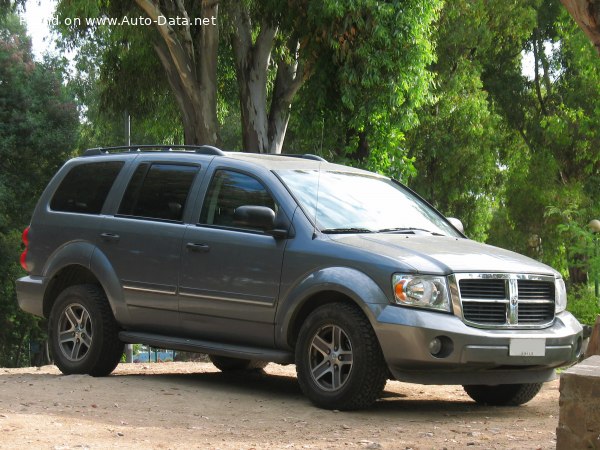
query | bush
(583,304)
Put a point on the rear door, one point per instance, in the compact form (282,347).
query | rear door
(230,273)
(143,241)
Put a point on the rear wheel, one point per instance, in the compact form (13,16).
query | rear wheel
(503,394)
(338,359)
(83,332)
(228,364)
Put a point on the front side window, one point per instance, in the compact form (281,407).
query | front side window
(85,188)
(158,191)
(229,190)
(347,202)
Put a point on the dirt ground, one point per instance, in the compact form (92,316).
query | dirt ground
(192,405)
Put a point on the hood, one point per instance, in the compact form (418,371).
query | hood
(443,254)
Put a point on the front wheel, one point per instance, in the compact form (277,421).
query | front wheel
(83,333)
(339,363)
(503,394)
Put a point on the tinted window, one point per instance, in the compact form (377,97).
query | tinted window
(158,191)
(229,190)
(85,187)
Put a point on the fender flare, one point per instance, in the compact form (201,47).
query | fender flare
(349,282)
(72,253)
(87,255)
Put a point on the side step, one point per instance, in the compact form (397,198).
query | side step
(211,348)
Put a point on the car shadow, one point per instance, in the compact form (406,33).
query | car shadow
(278,388)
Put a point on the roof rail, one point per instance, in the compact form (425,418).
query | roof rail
(200,149)
(304,156)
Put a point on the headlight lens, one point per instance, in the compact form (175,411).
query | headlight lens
(560,302)
(425,291)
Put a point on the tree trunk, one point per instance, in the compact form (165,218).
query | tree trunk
(189,57)
(288,80)
(587,15)
(262,131)
(536,59)
(594,343)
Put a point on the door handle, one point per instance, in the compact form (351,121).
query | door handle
(200,248)
(110,237)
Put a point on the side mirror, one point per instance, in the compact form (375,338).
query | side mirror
(456,223)
(254,217)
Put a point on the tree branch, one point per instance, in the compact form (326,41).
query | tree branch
(263,45)
(241,38)
(536,60)
(178,55)
(187,35)
(587,15)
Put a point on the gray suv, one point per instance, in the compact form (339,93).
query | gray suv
(268,258)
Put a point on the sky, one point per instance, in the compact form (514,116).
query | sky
(37,14)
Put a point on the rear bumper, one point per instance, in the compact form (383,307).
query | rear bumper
(470,355)
(30,294)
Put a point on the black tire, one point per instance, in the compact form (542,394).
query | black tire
(503,394)
(228,364)
(83,333)
(339,362)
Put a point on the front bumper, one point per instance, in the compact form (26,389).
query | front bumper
(470,355)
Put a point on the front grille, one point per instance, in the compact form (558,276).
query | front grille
(480,289)
(534,313)
(486,300)
(536,290)
(485,313)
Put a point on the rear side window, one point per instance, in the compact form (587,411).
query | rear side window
(158,191)
(85,188)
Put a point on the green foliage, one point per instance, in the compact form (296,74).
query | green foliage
(459,144)
(117,75)
(553,175)
(38,122)
(581,245)
(583,304)
(10,7)
(365,70)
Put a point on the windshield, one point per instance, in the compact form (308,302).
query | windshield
(349,202)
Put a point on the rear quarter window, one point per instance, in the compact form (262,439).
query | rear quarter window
(85,188)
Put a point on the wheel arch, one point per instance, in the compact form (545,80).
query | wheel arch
(329,285)
(65,277)
(82,263)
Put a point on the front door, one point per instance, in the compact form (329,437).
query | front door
(230,273)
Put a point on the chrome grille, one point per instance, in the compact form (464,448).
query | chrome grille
(506,300)
(480,289)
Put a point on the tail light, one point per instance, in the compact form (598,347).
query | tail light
(23,259)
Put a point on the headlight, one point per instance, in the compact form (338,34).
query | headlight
(560,298)
(425,291)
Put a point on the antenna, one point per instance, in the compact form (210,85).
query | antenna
(322,133)
(314,236)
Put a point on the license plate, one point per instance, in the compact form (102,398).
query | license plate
(527,347)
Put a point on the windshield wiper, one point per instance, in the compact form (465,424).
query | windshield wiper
(346,230)
(408,230)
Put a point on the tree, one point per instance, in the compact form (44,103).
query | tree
(460,143)
(188,54)
(554,113)
(275,48)
(38,124)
